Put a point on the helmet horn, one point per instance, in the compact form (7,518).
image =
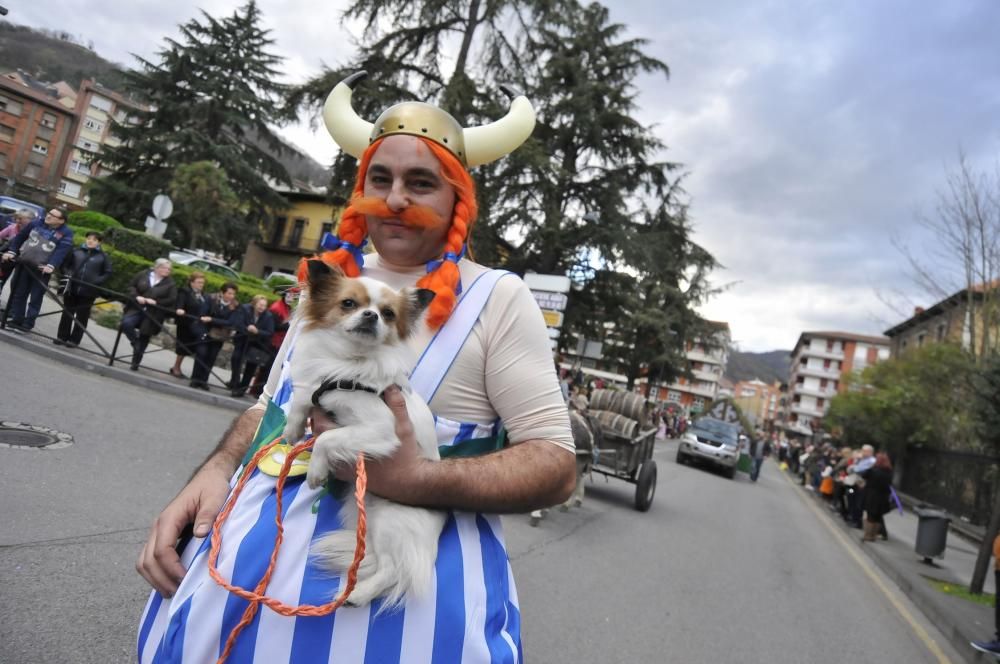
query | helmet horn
(492,141)
(346,127)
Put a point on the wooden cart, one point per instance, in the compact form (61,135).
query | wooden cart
(624,447)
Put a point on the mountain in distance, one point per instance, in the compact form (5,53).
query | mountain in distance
(56,55)
(768,367)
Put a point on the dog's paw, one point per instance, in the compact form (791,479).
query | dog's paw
(318,472)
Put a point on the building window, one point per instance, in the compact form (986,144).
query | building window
(48,120)
(829,344)
(278,230)
(32,171)
(673,396)
(93,125)
(78,166)
(697,405)
(820,402)
(71,189)
(327,228)
(41,147)
(800,380)
(8,105)
(920,339)
(940,332)
(89,146)
(7,133)
(826,364)
(296,237)
(101,103)
(3,161)
(822,383)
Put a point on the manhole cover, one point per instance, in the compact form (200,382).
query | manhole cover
(18,434)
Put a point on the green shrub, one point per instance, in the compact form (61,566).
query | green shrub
(80,232)
(124,266)
(138,243)
(109,318)
(95,220)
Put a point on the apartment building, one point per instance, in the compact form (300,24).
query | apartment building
(758,400)
(95,108)
(707,363)
(961,319)
(35,125)
(821,362)
(291,233)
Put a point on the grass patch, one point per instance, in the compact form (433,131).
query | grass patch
(956,590)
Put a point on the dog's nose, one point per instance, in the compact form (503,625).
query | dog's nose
(369,315)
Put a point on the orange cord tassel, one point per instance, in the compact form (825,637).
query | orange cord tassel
(256,597)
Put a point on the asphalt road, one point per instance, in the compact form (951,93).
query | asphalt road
(716,571)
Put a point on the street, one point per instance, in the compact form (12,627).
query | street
(716,571)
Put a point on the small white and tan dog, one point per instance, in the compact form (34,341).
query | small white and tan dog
(350,348)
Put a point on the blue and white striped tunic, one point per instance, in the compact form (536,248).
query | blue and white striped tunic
(470,615)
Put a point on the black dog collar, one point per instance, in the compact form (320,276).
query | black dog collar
(347,385)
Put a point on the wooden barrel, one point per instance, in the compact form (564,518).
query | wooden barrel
(629,404)
(615,423)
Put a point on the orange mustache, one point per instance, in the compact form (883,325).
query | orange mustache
(417,216)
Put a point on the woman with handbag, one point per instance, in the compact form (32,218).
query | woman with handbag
(252,344)
(219,327)
(192,304)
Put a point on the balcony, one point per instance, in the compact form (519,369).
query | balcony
(818,372)
(709,392)
(825,392)
(702,374)
(808,411)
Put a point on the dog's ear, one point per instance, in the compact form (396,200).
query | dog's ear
(321,276)
(415,302)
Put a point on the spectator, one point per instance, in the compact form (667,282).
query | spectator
(877,497)
(252,345)
(191,306)
(40,247)
(281,312)
(760,449)
(993,647)
(21,218)
(88,267)
(219,327)
(152,294)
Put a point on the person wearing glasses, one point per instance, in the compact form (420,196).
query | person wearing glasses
(39,248)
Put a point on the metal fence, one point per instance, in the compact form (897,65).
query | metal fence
(964,483)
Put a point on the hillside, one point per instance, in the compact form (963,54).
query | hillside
(768,367)
(50,56)
(57,56)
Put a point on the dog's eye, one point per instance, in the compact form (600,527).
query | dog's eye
(348,304)
(388,315)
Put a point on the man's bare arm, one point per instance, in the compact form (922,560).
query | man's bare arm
(198,503)
(520,478)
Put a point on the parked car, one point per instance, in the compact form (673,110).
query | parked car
(9,206)
(712,441)
(279,280)
(196,262)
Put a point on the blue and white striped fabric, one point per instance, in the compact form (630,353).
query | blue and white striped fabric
(470,616)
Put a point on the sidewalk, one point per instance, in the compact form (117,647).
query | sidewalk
(152,374)
(959,619)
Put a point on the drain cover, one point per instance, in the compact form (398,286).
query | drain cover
(18,434)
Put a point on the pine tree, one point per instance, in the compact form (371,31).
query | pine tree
(212,96)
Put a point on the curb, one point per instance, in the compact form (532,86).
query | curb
(84,360)
(923,596)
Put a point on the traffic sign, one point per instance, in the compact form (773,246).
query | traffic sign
(550,300)
(163,207)
(553,318)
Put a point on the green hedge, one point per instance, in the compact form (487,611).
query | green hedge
(136,242)
(125,266)
(95,220)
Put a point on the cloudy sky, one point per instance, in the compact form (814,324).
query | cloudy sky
(813,133)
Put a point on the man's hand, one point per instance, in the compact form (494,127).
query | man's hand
(140,299)
(199,502)
(180,312)
(252,329)
(47,269)
(8,256)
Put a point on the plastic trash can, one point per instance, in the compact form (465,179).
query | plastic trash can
(932,532)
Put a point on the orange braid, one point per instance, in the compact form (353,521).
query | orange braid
(445,279)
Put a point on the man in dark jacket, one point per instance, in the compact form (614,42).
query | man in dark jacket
(40,247)
(88,267)
(152,294)
(219,321)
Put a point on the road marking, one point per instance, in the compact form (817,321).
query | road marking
(866,565)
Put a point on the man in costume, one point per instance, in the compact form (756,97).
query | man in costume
(486,371)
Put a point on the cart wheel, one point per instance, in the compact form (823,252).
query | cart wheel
(646,486)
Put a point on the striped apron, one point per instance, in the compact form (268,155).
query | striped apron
(469,615)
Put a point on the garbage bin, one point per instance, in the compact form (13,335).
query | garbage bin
(932,532)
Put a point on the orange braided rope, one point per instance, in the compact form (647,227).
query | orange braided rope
(256,597)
